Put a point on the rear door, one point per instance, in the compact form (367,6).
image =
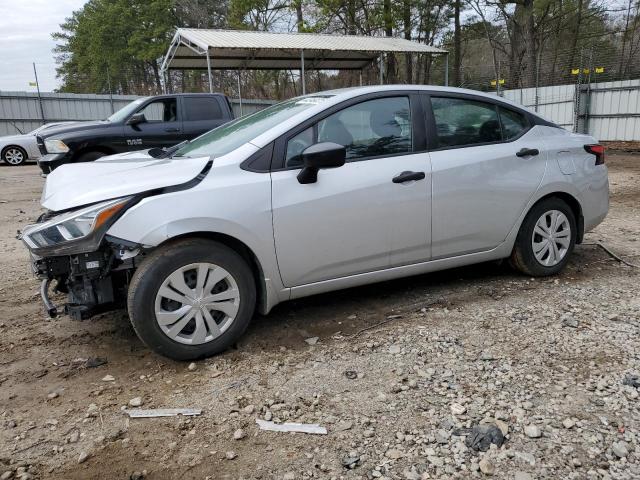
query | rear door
(162,126)
(480,184)
(202,113)
(355,218)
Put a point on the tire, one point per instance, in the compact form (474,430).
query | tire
(91,156)
(177,268)
(542,259)
(14,156)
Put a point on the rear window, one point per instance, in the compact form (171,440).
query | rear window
(202,108)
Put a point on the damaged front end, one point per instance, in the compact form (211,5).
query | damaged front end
(72,249)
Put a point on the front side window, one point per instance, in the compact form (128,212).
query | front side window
(370,129)
(513,123)
(380,127)
(461,121)
(165,110)
(296,146)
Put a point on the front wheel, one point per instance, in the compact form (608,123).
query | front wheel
(14,156)
(191,299)
(546,239)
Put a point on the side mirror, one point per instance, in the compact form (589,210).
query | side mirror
(136,118)
(320,155)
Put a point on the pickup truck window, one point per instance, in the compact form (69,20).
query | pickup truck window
(126,111)
(163,110)
(202,108)
(232,135)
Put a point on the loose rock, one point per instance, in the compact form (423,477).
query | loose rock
(487,467)
(532,431)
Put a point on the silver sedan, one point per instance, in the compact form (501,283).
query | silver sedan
(318,193)
(17,149)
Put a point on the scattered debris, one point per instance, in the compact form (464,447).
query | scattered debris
(163,412)
(632,380)
(93,362)
(351,460)
(291,427)
(480,437)
(351,374)
(135,402)
(108,378)
(239,434)
(84,456)
(458,409)
(569,321)
(192,367)
(312,340)
(230,455)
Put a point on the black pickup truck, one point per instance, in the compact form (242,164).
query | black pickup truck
(148,122)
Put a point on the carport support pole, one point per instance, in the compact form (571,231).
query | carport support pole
(381,68)
(209,72)
(304,89)
(446,69)
(239,93)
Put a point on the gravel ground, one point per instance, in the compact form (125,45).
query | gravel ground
(399,375)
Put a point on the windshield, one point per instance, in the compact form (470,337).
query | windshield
(232,135)
(125,111)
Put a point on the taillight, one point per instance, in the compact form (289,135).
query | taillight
(598,151)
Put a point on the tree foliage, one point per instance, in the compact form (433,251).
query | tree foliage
(118,44)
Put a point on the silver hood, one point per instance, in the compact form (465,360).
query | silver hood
(75,185)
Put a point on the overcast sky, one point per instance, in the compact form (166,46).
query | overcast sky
(25,37)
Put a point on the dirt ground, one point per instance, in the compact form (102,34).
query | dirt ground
(544,359)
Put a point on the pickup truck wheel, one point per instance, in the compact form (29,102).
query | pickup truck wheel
(546,239)
(191,299)
(90,156)
(14,156)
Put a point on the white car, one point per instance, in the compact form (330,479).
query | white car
(17,149)
(318,193)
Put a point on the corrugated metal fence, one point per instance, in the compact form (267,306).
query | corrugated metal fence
(606,110)
(24,111)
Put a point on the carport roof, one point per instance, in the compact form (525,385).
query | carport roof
(239,50)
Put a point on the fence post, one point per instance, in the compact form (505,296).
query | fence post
(35,72)
(109,86)
(538,80)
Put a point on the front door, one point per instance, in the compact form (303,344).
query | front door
(480,186)
(355,218)
(162,126)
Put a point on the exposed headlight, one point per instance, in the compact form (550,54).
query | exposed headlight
(55,146)
(72,226)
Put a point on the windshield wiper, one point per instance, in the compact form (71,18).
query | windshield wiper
(166,153)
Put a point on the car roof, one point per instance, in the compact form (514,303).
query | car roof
(349,92)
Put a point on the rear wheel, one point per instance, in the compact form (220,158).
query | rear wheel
(14,156)
(191,299)
(546,239)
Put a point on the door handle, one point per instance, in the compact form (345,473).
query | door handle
(172,130)
(408,176)
(527,152)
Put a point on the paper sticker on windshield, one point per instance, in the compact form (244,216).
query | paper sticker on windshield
(311,101)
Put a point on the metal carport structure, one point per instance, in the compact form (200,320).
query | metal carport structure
(199,49)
